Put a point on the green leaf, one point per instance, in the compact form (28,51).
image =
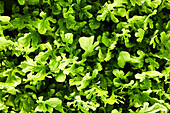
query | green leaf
(78,1)
(79,25)
(123,58)
(133,2)
(105,39)
(18,22)
(32,2)
(113,18)
(101,92)
(113,99)
(168,25)
(154,37)
(94,24)
(104,83)
(80,82)
(146,84)
(1,30)
(1,7)
(21,2)
(153,64)
(147,20)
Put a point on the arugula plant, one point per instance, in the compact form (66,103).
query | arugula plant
(109,56)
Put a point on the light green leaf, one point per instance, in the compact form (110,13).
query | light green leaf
(140,34)
(54,102)
(140,2)
(123,58)
(80,82)
(27,65)
(112,100)
(115,111)
(68,38)
(41,107)
(149,74)
(28,43)
(154,3)
(86,43)
(23,41)
(42,57)
(12,79)
(78,1)
(63,64)
(45,46)
(4,43)
(118,73)
(85,82)
(153,109)
(94,74)
(44,24)
(102,16)
(146,21)
(108,56)
(60,78)
(4,18)
(101,92)
(101,56)
(122,12)
(54,63)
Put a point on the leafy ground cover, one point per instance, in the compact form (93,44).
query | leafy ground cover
(90,56)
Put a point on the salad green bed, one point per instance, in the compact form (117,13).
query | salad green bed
(85,56)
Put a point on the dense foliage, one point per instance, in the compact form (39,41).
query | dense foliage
(91,56)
